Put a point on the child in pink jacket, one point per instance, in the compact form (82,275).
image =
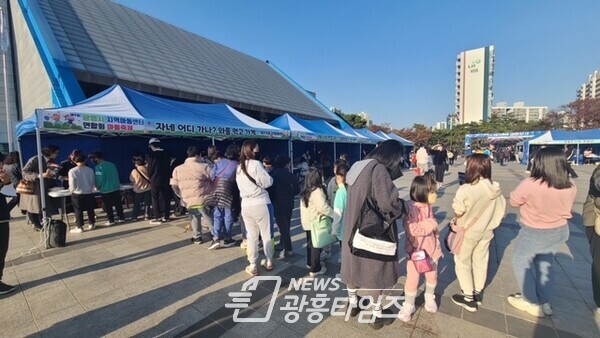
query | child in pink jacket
(421,234)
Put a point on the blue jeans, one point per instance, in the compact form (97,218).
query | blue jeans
(196,214)
(532,261)
(271,218)
(223,223)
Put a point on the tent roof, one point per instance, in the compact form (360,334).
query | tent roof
(323,128)
(400,139)
(348,129)
(286,122)
(383,135)
(148,114)
(568,137)
(312,129)
(371,135)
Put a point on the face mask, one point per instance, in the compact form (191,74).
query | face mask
(432,198)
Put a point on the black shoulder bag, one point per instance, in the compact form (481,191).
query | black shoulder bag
(374,235)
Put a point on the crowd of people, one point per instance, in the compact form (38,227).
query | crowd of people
(359,204)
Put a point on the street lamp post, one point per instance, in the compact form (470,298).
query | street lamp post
(4,45)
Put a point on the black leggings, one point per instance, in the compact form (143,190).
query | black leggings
(439,173)
(4,234)
(165,191)
(313,255)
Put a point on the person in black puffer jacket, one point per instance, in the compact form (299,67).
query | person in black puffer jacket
(159,170)
(283,193)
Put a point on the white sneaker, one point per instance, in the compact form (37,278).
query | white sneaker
(76,231)
(109,223)
(406,312)
(430,304)
(251,270)
(547,308)
(90,227)
(267,264)
(156,222)
(597,312)
(321,272)
(521,304)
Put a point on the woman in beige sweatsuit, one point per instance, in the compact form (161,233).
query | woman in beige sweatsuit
(479,207)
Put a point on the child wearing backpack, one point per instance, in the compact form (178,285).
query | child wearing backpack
(422,246)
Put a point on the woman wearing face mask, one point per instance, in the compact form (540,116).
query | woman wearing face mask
(252,180)
(33,203)
(372,180)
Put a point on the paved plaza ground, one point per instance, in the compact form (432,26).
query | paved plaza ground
(138,280)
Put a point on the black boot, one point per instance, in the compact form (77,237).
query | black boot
(354,309)
(384,320)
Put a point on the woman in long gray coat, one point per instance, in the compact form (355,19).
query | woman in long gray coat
(591,211)
(378,170)
(32,203)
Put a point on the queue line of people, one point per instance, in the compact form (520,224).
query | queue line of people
(478,207)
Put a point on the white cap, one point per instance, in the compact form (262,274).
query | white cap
(153,140)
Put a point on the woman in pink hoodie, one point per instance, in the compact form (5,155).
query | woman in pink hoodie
(545,200)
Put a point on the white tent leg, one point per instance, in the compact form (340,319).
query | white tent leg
(20,153)
(577,154)
(213,141)
(38,138)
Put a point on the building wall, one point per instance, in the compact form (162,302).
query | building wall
(590,89)
(34,86)
(10,86)
(474,84)
(520,112)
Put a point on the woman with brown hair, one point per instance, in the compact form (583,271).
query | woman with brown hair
(479,207)
(32,203)
(253,180)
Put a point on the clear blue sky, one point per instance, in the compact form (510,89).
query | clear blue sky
(396,59)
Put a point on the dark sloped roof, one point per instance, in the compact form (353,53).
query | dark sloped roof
(105,40)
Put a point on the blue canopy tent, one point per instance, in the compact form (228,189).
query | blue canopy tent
(312,131)
(564,137)
(120,111)
(362,139)
(373,137)
(383,135)
(295,130)
(123,112)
